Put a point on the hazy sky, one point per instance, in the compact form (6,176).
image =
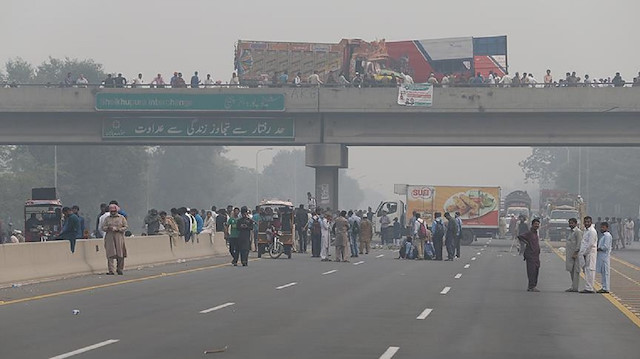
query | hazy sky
(151,36)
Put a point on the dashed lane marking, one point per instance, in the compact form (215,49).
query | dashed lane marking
(425,313)
(380,256)
(217,308)
(458,276)
(85,349)
(391,351)
(330,272)
(358,263)
(473,259)
(466,266)
(445,290)
(286,285)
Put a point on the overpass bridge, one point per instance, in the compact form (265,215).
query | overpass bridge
(325,120)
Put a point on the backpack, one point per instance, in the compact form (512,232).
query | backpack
(411,252)
(315,227)
(422,231)
(355,228)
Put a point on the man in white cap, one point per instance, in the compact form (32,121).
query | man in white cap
(114,227)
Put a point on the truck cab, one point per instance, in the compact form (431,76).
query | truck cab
(558,227)
(394,208)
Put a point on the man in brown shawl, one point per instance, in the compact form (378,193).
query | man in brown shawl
(341,228)
(114,227)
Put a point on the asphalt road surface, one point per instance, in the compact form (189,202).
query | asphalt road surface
(376,306)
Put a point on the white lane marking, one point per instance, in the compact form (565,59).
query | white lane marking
(458,276)
(287,285)
(478,253)
(217,308)
(329,272)
(391,351)
(445,290)
(425,313)
(473,259)
(485,246)
(358,263)
(85,349)
(481,249)
(467,266)
(380,256)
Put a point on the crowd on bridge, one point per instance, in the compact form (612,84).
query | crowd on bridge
(359,80)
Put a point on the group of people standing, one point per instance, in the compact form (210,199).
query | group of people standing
(427,242)
(586,252)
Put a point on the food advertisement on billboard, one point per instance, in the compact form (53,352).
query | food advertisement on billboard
(478,206)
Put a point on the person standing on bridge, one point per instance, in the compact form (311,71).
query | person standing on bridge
(532,254)
(604,257)
(571,255)
(452,233)
(114,226)
(587,254)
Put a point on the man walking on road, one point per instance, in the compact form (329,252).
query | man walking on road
(571,255)
(354,233)
(245,226)
(604,257)
(532,254)
(587,254)
(114,227)
(366,233)
(452,233)
(234,245)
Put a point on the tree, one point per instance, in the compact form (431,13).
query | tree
(20,71)
(55,70)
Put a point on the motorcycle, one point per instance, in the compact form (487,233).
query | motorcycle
(276,247)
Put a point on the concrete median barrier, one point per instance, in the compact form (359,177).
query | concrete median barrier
(34,261)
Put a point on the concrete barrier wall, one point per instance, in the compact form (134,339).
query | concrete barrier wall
(32,261)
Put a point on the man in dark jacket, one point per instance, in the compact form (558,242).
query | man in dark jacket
(70,227)
(452,233)
(532,254)
(245,226)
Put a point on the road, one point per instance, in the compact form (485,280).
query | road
(374,307)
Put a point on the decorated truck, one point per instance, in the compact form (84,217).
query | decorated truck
(479,207)
(260,62)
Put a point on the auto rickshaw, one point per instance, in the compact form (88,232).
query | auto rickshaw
(275,216)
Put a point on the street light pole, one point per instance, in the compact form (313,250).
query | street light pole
(257,174)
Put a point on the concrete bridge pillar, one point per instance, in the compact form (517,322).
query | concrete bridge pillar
(327,159)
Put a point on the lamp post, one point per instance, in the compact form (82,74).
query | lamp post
(257,174)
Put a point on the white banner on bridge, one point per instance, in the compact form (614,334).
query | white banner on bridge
(415,95)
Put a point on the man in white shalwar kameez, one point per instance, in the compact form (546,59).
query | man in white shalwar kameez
(325,240)
(604,256)
(588,254)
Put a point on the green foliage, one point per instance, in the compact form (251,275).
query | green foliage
(20,71)
(605,177)
(55,70)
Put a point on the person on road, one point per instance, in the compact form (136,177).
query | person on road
(437,227)
(385,228)
(604,257)
(341,228)
(232,229)
(315,226)
(245,226)
(301,220)
(366,234)
(70,227)
(152,220)
(326,237)
(522,229)
(571,255)
(452,233)
(458,239)
(532,254)
(114,226)
(419,232)
(311,202)
(587,254)
(354,233)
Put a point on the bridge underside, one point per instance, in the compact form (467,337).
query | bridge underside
(351,129)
